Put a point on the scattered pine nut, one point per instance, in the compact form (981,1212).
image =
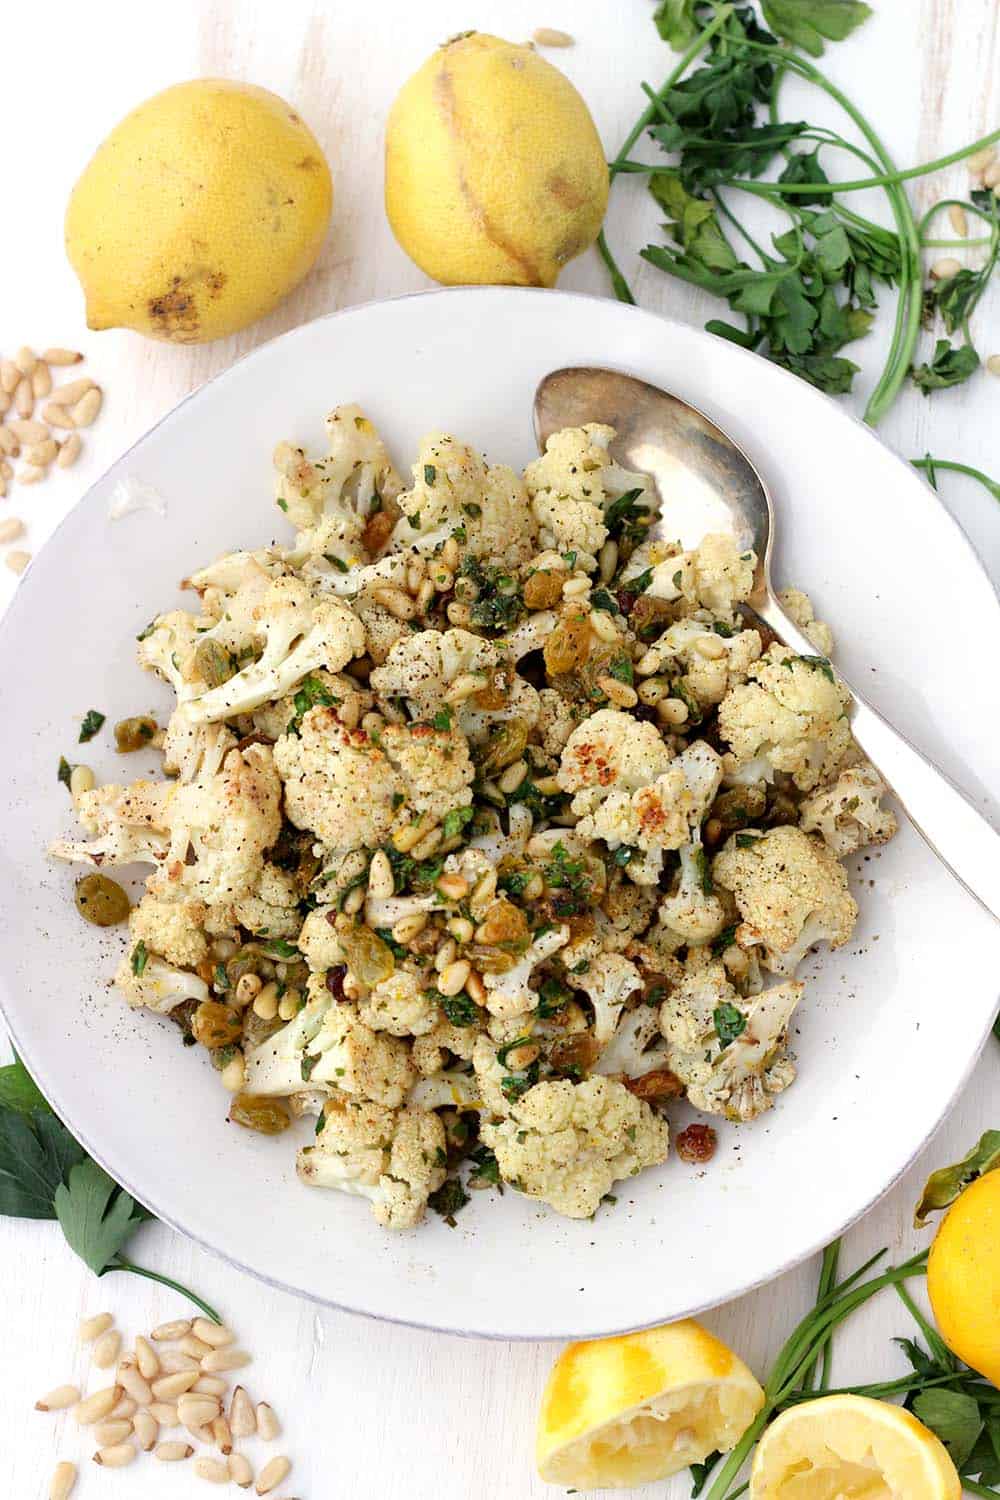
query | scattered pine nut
(171,1453)
(147,1430)
(41,381)
(10,376)
(222,1435)
(267,1423)
(215,1470)
(24,401)
(174,1360)
(58,416)
(57,356)
(993,364)
(62,1481)
(234,1074)
(125,1408)
(59,1399)
(107,1434)
(30,474)
(197,1411)
(991,174)
(86,409)
(72,392)
(25,359)
(165,1413)
(242,1417)
(8,442)
(115,1457)
(28,431)
(195,1347)
(169,1387)
(134,1384)
(240,1471)
(96,1407)
(958,219)
(6,469)
(200,1434)
(981,159)
(945,268)
(210,1385)
(548,36)
(164,1332)
(272,1474)
(224,1359)
(41,454)
(4,403)
(146,1359)
(108,1347)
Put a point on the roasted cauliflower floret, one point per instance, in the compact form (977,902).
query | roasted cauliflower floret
(167,647)
(611,752)
(849,814)
(715,576)
(317,940)
(572,484)
(455,490)
(353,1058)
(790,716)
(608,981)
(791,892)
(394,1158)
(191,750)
(729,1052)
(693,911)
(568,1144)
(173,929)
(510,993)
(156,984)
(401,1006)
(271,908)
(708,661)
(319,690)
(800,607)
(422,667)
(433,765)
(430,1051)
(127,824)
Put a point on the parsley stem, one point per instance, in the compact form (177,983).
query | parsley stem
(931,465)
(119,1263)
(891,178)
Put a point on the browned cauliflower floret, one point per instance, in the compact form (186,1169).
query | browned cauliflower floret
(707,662)
(454,489)
(849,814)
(572,484)
(568,1144)
(172,928)
(716,576)
(790,716)
(394,1158)
(791,893)
(401,1006)
(800,607)
(271,908)
(320,689)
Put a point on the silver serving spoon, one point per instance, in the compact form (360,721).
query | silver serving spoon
(710,484)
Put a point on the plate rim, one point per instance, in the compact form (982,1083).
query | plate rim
(26,592)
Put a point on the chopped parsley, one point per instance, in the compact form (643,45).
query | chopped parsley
(309,1062)
(442,719)
(746,840)
(571,887)
(570,559)
(552,996)
(65,771)
(504,1052)
(729,1022)
(486,1170)
(621,670)
(146,631)
(640,584)
(282,505)
(449,1199)
(514,881)
(456,819)
(430,474)
(500,604)
(139,959)
(626,520)
(92,721)
(336,562)
(721,628)
(703,870)
(281,948)
(460,1009)
(312,692)
(725,940)
(818,664)
(601,599)
(398,950)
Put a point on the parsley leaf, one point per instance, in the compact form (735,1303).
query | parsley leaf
(36,1153)
(954,1416)
(139,958)
(948,366)
(456,819)
(730,1022)
(430,474)
(460,1009)
(18,1090)
(65,771)
(449,1199)
(805,23)
(97,1216)
(312,692)
(92,721)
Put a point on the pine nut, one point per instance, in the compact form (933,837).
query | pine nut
(174,1360)
(404,839)
(25,359)
(27,431)
(58,416)
(981,159)
(108,1347)
(24,401)
(234,1075)
(354,901)
(5,403)
(41,381)
(164,1412)
(652,689)
(86,409)
(607,560)
(248,987)
(672,711)
(475,988)
(123,1410)
(57,356)
(648,664)
(993,364)
(451,980)
(176,1329)
(197,1411)
(603,626)
(30,474)
(146,1358)
(575,587)
(534,887)
(991,174)
(240,1471)
(94,1408)
(523,1056)
(6,469)
(169,1387)
(267,1423)
(147,1430)
(58,1399)
(266,1003)
(17,561)
(194,1345)
(115,1457)
(461,929)
(710,646)
(380,878)
(394,600)
(212,1469)
(8,442)
(414,574)
(945,268)
(171,1453)
(224,1359)
(134,1384)
(512,777)
(11,529)
(72,392)
(425,848)
(453,887)
(547,36)
(617,692)
(222,1435)
(446,954)
(106,1434)
(242,1417)
(272,1474)
(200,1434)
(450,554)
(958,219)
(458,614)
(41,454)
(484,891)
(10,377)
(464,686)
(62,1481)
(210,1385)
(407,928)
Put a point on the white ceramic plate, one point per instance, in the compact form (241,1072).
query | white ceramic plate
(890,1025)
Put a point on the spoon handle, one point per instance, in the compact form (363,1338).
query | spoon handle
(944,816)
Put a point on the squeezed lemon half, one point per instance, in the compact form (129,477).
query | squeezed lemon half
(624,1411)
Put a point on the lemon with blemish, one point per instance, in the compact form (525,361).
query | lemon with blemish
(203,208)
(494,171)
(963,1276)
(626,1411)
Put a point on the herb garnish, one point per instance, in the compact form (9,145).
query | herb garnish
(729,1021)
(65,771)
(312,692)
(139,958)
(91,723)
(449,1199)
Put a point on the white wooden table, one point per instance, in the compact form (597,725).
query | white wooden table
(372,1410)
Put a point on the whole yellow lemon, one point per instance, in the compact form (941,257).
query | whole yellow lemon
(494,171)
(201,210)
(963,1276)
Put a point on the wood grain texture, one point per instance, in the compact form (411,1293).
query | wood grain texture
(371,1410)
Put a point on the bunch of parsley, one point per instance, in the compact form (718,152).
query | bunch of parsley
(46,1174)
(814,289)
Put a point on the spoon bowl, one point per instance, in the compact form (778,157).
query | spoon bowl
(706,482)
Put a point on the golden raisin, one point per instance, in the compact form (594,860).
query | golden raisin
(254,1112)
(216,1025)
(696,1144)
(543,589)
(101,901)
(659,1084)
(568,645)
